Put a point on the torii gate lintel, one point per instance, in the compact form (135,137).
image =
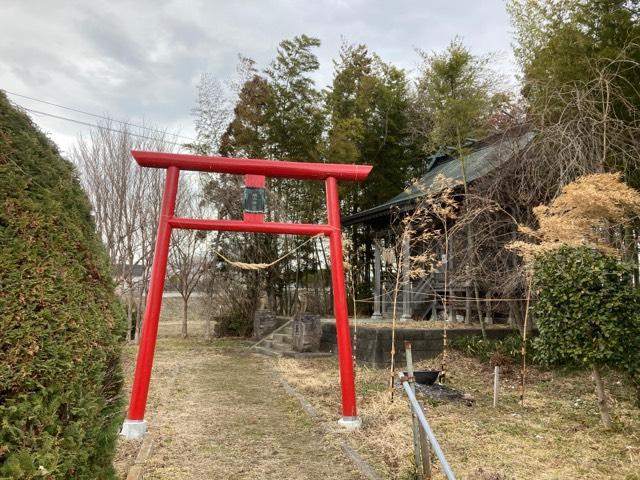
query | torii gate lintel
(255,171)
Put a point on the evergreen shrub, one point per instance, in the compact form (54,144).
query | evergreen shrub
(484,349)
(61,326)
(587,311)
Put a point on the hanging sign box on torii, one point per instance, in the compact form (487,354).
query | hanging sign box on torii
(254,198)
(254,203)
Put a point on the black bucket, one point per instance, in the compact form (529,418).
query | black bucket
(426,377)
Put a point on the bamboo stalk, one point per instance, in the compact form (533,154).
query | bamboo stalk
(523,373)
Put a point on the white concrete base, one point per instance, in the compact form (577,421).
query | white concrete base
(133,429)
(406,318)
(350,423)
(376,316)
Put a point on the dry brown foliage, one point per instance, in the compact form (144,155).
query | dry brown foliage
(588,212)
(582,129)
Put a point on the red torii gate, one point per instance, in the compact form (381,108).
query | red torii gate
(255,171)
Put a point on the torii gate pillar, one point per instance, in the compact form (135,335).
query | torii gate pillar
(255,172)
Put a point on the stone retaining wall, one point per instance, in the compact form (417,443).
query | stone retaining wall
(374,344)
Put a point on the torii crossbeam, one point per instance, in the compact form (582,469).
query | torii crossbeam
(255,171)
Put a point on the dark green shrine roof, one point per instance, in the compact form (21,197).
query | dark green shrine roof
(484,156)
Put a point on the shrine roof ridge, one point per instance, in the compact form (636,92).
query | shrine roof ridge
(484,157)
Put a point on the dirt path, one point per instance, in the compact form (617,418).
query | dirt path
(216,412)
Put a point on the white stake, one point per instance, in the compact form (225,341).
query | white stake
(496,385)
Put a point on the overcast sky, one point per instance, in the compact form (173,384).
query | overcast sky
(142,58)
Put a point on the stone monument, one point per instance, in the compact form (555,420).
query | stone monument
(307,332)
(264,320)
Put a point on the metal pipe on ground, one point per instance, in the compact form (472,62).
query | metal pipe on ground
(420,448)
(426,427)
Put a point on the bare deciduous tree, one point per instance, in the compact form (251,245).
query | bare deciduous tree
(125,201)
(188,253)
(212,114)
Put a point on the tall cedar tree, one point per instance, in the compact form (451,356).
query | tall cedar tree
(279,116)
(367,107)
(247,135)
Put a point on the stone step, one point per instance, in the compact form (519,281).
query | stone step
(280,347)
(267,351)
(288,330)
(292,354)
(282,338)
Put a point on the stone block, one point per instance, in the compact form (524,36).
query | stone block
(307,332)
(264,322)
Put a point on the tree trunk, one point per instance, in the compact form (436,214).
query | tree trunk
(129,318)
(631,254)
(138,332)
(142,301)
(467,270)
(207,327)
(296,298)
(328,301)
(516,315)
(138,328)
(479,308)
(185,303)
(603,405)
(321,280)
(489,308)
(129,282)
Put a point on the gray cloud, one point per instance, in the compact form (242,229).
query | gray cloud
(135,59)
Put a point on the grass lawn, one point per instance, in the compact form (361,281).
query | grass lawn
(217,411)
(556,435)
(207,422)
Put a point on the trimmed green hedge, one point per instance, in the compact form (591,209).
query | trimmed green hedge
(588,311)
(485,349)
(60,323)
